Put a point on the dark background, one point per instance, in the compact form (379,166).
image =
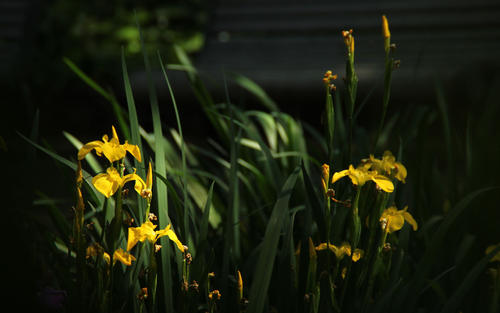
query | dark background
(284,46)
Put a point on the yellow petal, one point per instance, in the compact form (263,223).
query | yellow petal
(123,256)
(89,147)
(358,176)
(394,218)
(134,150)
(357,254)
(140,185)
(172,236)
(385,27)
(408,218)
(384,183)
(131,177)
(240,285)
(92,250)
(108,183)
(321,246)
(80,205)
(400,172)
(338,175)
(149,177)
(148,230)
(344,249)
(115,135)
(134,236)
(106,257)
(325,173)
(141,233)
(113,151)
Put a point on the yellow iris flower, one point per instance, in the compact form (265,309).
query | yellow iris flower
(359,176)
(112,149)
(119,255)
(342,250)
(123,256)
(387,165)
(147,232)
(109,182)
(393,219)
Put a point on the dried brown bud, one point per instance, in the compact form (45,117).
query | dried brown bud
(214,295)
(143,294)
(307,297)
(194,285)
(188,258)
(152,217)
(387,247)
(90,226)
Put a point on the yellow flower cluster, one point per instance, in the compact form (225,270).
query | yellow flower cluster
(124,257)
(108,183)
(380,171)
(341,251)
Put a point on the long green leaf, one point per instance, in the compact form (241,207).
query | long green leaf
(437,239)
(161,188)
(256,90)
(134,133)
(452,305)
(265,262)
(188,207)
(206,214)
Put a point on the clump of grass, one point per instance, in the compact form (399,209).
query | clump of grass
(253,221)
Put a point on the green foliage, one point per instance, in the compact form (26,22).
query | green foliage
(251,199)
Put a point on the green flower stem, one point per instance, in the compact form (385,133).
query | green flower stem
(152,280)
(328,226)
(148,208)
(332,284)
(389,67)
(355,236)
(356,222)
(374,229)
(375,266)
(117,222)
(330,125)
(80,252)
(352,86)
